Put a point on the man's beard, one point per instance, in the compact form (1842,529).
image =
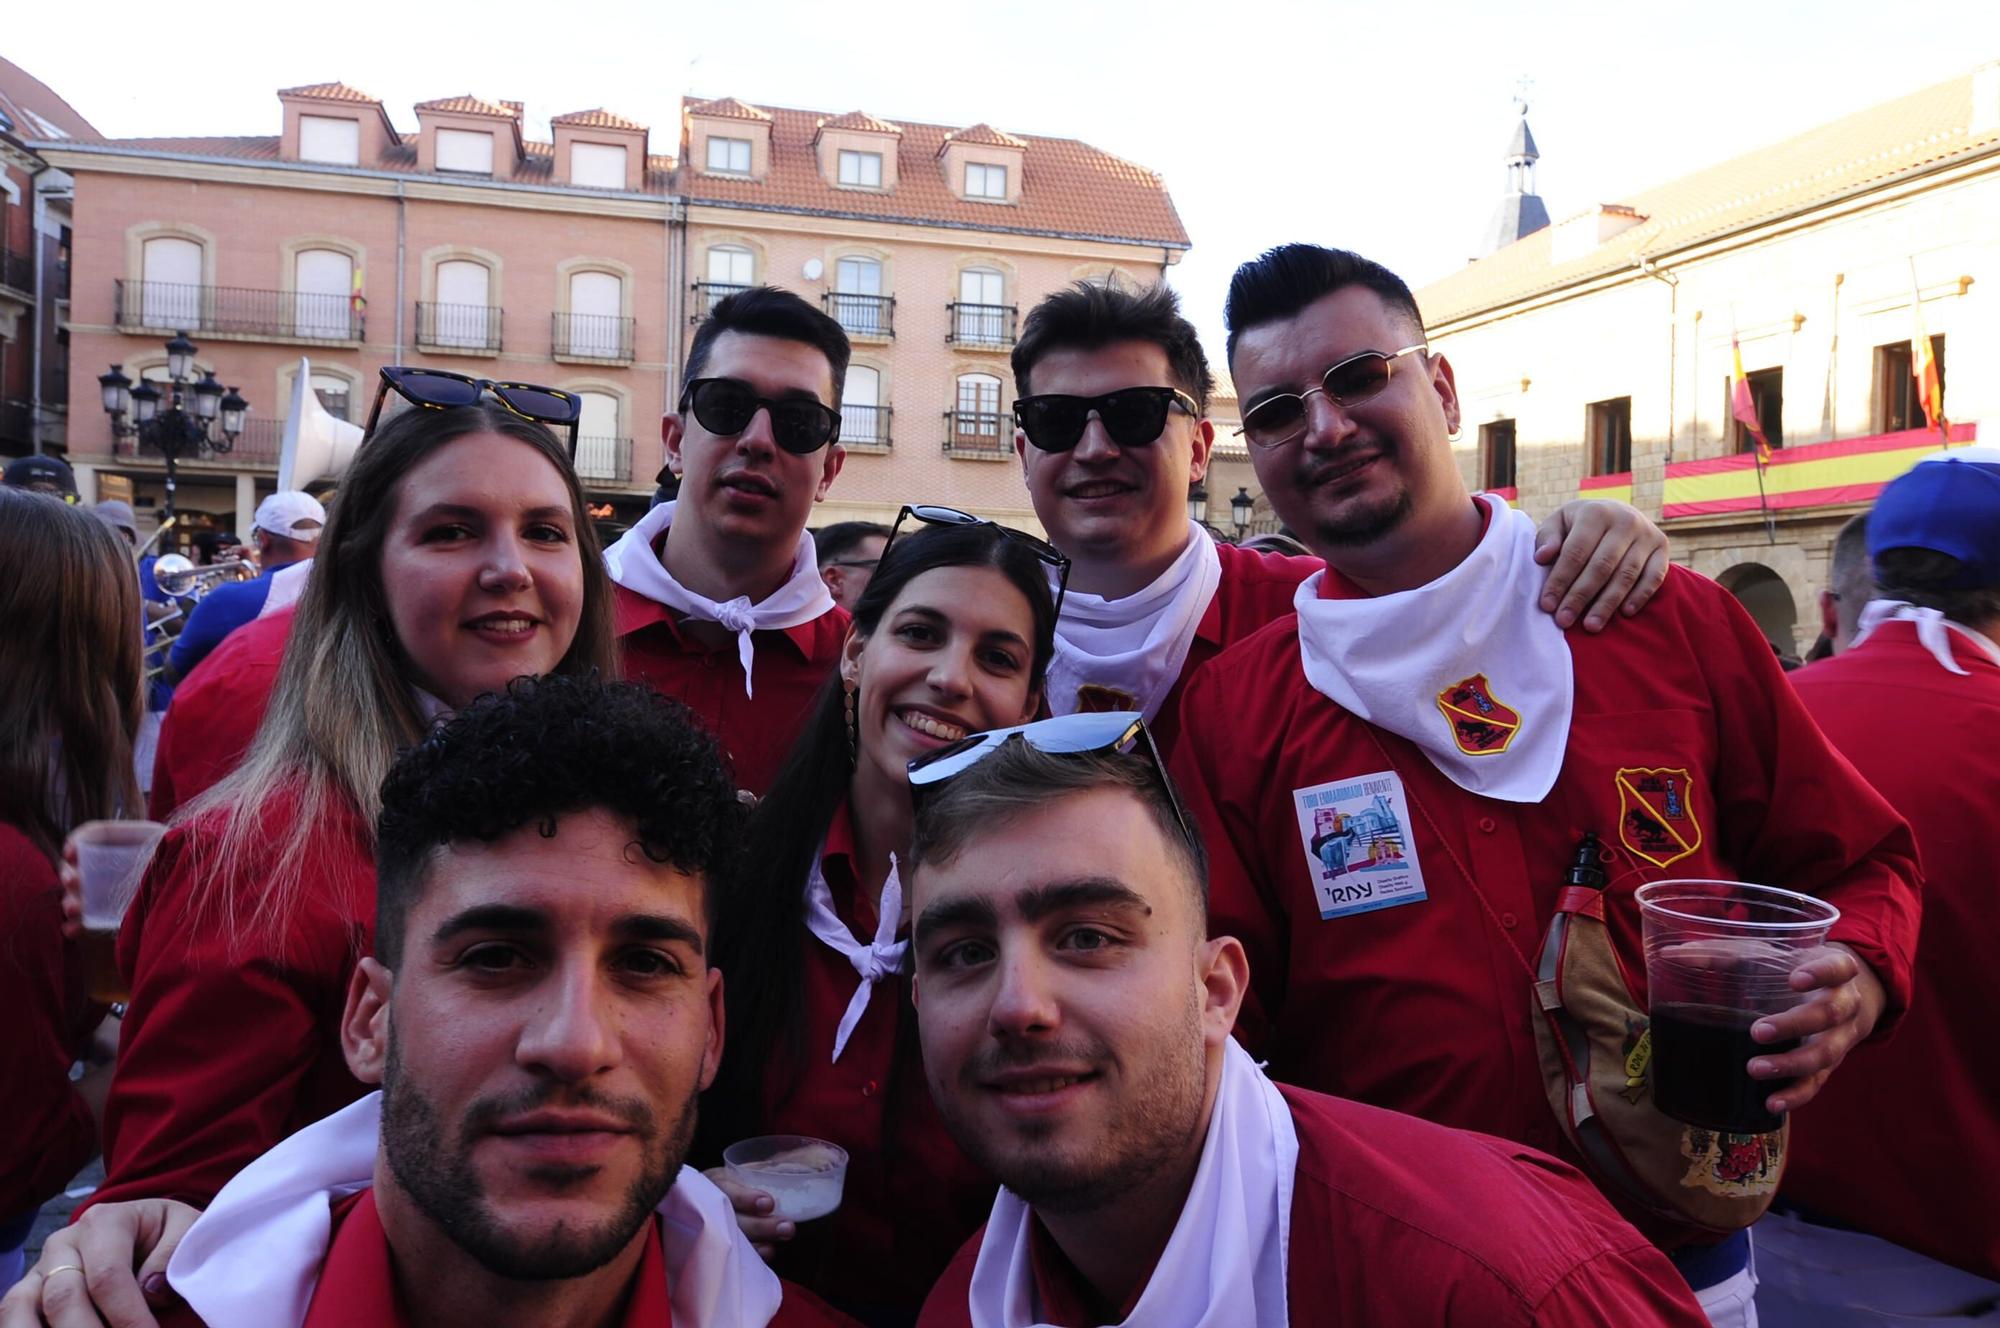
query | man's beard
(1356,527)
(445,1186)
(1147,1131)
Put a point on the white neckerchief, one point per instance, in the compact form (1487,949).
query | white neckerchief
(1225,1263)
(634,565)
(881,958)
(253,1259)
(1391,660)
(1934,630)
(1136,645)
(287,584)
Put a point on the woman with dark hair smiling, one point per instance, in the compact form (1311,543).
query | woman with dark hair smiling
(953,635)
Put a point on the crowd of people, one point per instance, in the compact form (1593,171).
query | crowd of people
(1160,927)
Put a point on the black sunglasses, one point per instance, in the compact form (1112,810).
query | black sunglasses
(1065,735)
(951,516)
(440,389)
(1133,416)
(725,407)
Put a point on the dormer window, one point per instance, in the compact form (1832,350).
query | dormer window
(597,165)
(728,156)
(465,151)
(861,169)
(333,140)
(985,181)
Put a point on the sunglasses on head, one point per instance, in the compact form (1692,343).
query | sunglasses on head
(1065,735)
(1277,420)
(1133,416)
(440,389)
(951,516)
(725,407)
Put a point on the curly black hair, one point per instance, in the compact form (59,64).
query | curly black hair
(549,746)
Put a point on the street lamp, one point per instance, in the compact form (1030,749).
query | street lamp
(188,427)
(1239,510)
(1198,503)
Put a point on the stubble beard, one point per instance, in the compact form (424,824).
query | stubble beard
(442,1182)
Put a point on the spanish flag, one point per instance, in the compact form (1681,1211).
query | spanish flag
(1923,362)
(1743,406)
(357,303)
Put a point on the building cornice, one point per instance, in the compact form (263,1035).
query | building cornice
(933,223)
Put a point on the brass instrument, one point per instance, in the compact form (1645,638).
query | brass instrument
(179,579)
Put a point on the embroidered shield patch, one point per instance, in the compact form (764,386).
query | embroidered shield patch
(1480,724)
(1656,819)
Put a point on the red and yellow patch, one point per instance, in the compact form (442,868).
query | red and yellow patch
(1095,698)
(1656,817)
(1480,724)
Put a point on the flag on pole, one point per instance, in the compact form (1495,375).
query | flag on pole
(357,302)
(1923,362)
(1743,405)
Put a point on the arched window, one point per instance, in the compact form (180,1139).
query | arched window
(461,316)
(982,299)
(323,280)
(334,395)
(862,418)
(596,316)
(602,450)
(170,270)
(978,408)
(857,296)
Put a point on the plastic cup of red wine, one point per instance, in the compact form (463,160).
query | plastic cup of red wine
(1719,957)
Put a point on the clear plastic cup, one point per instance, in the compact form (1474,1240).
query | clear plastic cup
(804,1176)
(1719,957)
(111,856)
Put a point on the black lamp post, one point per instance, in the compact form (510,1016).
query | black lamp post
(1198,503)
(188,427)
(1240,508)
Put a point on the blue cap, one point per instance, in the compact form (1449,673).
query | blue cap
(1949,504)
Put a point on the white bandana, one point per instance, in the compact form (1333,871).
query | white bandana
(880,959)
(1468,667)
(253,1259)
(1135,646)
(634,565)
(1225,1263)
(1934,630)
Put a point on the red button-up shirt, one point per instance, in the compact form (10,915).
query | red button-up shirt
(1396,1222)
(790,667)
(215,713)
(1904,1140)
(1426,1007)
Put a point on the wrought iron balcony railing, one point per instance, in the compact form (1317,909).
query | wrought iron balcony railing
(17,271)
(593,337)
(460,327)
(862,315)
(256,448)
(160,306)
(604,460)
(990,326)
(864,426)
(708,294)
(977,433)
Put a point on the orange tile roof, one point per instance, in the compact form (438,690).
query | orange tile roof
(1866,150)
(27,100)
(330,92)
(467,104)
(1067,187)
(725,108)
(986,134)
(860,120)
(597,119)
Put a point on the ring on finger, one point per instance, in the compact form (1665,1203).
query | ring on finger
(63,1268)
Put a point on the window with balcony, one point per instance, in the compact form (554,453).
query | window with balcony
(1897,406)
(462,317)
(731,268)
(975,426)
(1608,435)
(864,420)
(603,451)
(465,151)
(597,165)
(1767,393)
(982,317)
(595,328)
(1496,455)
(728,156)
(861,169)
(171,271)
(334,140)
(323,295)
(335,395)
(984,181)
(857,300)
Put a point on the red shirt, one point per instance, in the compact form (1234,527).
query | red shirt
(911,1197)
(1421,1007)
(47,1126)
(357,1283)
(789,668)
(1904,1140)
(1394,1223)
(215,713)
(228,1049)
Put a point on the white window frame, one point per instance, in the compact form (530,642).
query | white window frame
(733,252)
(729,153)
(599,165)
(463,146)
(332,140)
(987,174)
(861,162)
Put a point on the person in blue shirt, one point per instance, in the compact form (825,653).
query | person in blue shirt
(287,532)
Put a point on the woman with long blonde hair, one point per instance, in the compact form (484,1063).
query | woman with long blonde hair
(457,556)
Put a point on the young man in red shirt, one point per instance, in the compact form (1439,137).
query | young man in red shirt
(1395,780)
(1887,1205)
(540,1016)
(720,601)
(1112,430)
(1075,1015)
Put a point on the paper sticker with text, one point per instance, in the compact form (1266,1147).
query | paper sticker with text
(1358,847)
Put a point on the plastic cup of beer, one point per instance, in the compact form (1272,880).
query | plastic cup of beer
(1719,957)
(111,856)
(804,1176)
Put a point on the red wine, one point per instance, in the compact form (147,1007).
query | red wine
(1701,1074)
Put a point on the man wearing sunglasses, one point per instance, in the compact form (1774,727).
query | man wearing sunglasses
(1075,1012)
(1420,697)
(720,601)
(1111,431)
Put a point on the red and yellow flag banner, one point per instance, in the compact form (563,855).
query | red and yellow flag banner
(1848,470)
(1743,405)
(1616,487)
(1923,363)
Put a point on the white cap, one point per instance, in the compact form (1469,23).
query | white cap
(282,512)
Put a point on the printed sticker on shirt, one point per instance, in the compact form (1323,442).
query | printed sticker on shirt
(1480,724)
(1358,845)
(1656,817)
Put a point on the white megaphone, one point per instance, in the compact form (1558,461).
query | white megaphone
(316,445)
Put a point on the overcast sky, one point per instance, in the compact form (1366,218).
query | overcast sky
(1375,126)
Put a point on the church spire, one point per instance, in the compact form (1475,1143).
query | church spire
(1521,211)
